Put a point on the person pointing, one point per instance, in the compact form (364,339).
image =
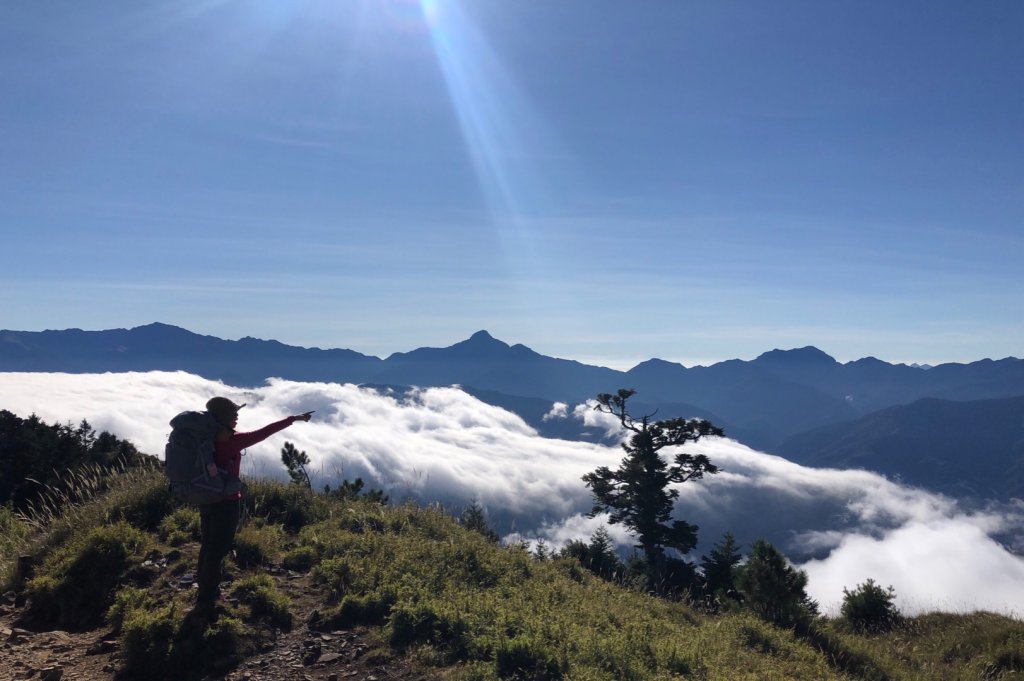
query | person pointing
(218,521)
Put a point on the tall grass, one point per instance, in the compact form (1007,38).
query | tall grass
(80,500)
(62,499)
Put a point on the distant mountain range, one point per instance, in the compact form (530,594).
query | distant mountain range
(767,403)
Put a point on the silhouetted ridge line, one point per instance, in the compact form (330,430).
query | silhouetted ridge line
(761,402)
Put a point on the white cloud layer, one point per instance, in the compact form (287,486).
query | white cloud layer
(441,444)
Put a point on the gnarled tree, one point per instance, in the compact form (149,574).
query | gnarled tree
(637,494)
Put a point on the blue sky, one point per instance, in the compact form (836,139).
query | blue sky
(599,180)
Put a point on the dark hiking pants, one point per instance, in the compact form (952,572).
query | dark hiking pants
(218,523)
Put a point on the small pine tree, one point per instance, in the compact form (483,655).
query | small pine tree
(541,550)
(773,589)
(598,556)
(604,560)
(474,518)
(870,608)
(354,490)
(719,568)
(296,462)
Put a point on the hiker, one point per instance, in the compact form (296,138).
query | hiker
(219,520)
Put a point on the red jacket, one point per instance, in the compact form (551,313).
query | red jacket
(228,452)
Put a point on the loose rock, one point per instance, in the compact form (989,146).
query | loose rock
(101,647)
(51,674)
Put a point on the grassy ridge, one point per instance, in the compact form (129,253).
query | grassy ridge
(449,598)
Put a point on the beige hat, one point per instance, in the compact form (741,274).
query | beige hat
(222,408)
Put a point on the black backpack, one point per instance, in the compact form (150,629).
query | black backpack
(188,452)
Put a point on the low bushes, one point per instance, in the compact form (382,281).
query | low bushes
(335,575)
(142,499)
(291,506)
(181,526)
(265,602)
(257,545)
(159,645)
(370,608)
(520,658)
(76,584)
(425,623)
(301,559)
(146,639)
(126,601)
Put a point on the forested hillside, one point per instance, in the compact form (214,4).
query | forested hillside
(36,457)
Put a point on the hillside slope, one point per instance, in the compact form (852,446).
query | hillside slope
(330,588)
(971,448)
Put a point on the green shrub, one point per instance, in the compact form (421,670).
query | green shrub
(224,640)
(181,526)
(126,601)
(330,539)
(422,623)
(144,503)
(265,602)
(11,527)
(519,658)
(255,546)
(13,535)
(370,608)
(146,639)
(76,585)
(870,608)
(301,559)
(156,646)
(336,575)
(773,589)
(291,506)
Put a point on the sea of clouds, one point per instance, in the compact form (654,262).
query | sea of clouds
(442,445)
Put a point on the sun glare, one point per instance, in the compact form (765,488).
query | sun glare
(409,16)
(520,164)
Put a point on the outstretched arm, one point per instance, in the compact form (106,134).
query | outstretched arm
(243,440)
